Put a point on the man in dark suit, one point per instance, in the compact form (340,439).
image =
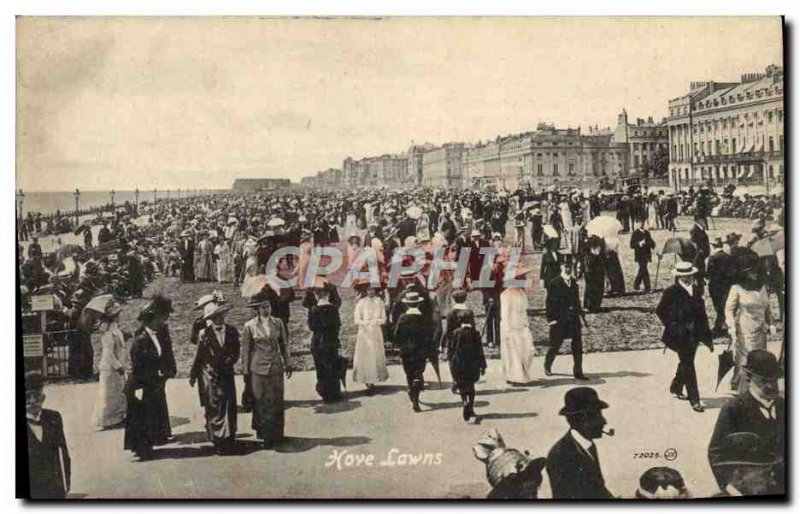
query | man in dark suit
(564,313)
(448,228)
(720,279)
(49,463)
(573,465)
(475,257)
(187,256)
(699,237)
(643,245)
(682,311)
(759,410)
(551,262)
(671,212)
(745,469)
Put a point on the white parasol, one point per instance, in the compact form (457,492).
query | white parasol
(550,232)
(414,212)
(603,226)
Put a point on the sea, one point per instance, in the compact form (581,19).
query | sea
(48,202)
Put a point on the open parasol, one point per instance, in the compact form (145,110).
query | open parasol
(603,226)
(682,247)
(414,212)
(550,232)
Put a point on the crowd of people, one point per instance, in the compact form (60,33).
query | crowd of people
(241,238)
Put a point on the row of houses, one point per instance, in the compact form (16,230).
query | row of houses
(724,132)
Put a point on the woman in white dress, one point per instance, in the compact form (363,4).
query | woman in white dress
(109,409)
(224,262)
(516,339)
(369,360)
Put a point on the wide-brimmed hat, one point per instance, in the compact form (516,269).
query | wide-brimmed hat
(763,364)
(502,462)
(412,298)
(186,233)
(260,298)
(475,233)
(733,237)
(717,242)
(497,236)
(158,305)
(212,309)
(355,237)
(34,381)
(581,399)
(684,269)
(215,297)
(744,449)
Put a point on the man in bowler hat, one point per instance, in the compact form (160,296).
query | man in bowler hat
(573,464)
(744,468)
(49,463)
(759,410)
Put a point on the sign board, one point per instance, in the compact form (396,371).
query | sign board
(33,345)
(42,302)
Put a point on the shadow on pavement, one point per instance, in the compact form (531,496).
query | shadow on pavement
(379,390)
(507,415)
(182,453)
(175,421)
(304,444)
(489,392)
(334,408)
(450,405)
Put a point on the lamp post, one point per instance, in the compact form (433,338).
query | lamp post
(77,194)
(155,195)
(21,197)
(136,195)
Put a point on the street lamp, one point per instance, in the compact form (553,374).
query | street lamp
(21,197)
(136,194)
(77,194)
(155,195)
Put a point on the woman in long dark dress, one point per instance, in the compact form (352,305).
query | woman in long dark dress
(217,352)
(595,276)
(265,359)
(152,364)
(324,322)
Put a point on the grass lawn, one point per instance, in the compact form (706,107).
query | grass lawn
(628,322)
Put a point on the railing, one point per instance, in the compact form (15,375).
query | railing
(740,157)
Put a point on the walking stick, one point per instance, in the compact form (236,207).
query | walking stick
(658,266)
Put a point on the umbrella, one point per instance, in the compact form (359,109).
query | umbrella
(276,222)
(531,205)
(99,303)
(69,250)
(769,245)
(414,212)
(682,247)
(725,364)
(603,226)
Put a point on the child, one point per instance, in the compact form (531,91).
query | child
(467,365)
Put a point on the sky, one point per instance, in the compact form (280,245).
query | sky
(120,103)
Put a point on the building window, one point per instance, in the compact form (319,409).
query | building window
(636,161)
(555,169)
(725,123)
(572,168)
(733,145)
(769,116)
(771,144)
(539,171)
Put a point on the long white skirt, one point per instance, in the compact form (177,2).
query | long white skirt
(516,352)
(109,409)
(369,360)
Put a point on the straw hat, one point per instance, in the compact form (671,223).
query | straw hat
(214,309)
(684,269)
